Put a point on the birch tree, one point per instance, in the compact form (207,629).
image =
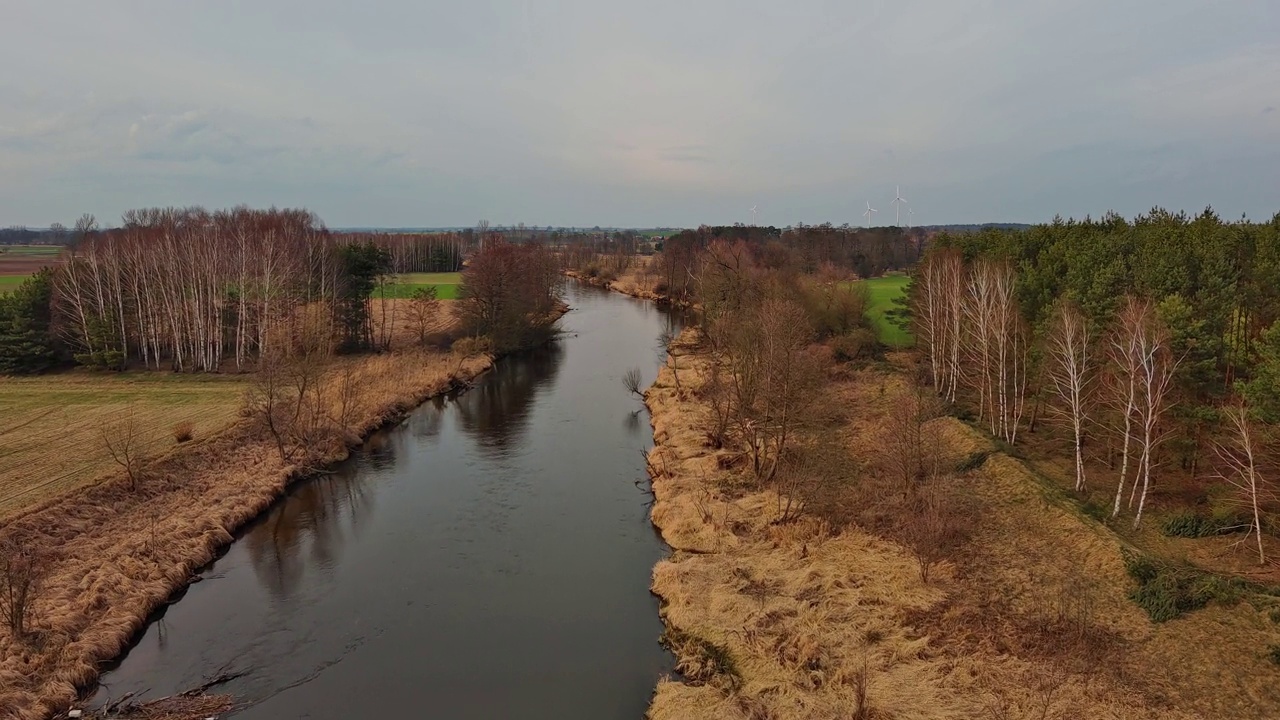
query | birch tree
(1071,373)
(1245,468)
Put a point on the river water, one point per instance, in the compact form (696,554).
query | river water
(488,558)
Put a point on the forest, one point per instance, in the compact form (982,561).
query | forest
(1154,343)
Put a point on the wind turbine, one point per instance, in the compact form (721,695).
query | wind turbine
(753,214)
(898,202)
(868,213)
(910,212)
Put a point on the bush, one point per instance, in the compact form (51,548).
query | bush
(183,431)
(473,346)
(834,308)
(859,344)
(1168,591)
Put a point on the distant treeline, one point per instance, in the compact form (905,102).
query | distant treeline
(189,289)
(867,252)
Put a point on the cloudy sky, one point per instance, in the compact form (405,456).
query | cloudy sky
(653,112)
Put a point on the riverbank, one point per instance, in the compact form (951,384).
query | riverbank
(636,282)
(1029,617)
(114,552)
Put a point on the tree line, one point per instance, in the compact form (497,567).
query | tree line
(192,290)
(1156,339)
(805,249)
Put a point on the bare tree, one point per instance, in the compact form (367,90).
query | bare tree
(423,311)
(1071,373)
(1246,468)
(631,381)
(933,529)
(911,446)
(124,443)
(22,571)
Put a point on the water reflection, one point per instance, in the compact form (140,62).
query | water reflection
(496,413)
(309,530)
(503,573)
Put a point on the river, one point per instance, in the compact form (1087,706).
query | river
(487,558)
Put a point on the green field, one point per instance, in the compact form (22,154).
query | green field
(884,292)
(31,250)
(404,286)
(9,283)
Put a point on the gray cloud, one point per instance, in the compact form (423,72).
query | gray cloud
(581,112)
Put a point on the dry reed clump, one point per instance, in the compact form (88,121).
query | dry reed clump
(115,554)
(1027,618)
(184,431)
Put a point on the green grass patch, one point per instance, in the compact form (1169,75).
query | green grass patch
(404,286)
(1188,524)
(885,310)
(9,283)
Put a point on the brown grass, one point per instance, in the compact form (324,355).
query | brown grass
(1028,619)
(117,554)
(51,427)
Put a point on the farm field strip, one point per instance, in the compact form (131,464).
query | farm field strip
(37,414)
(404,286)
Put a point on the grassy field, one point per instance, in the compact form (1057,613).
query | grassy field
(9,283)
(446,285)
(50,251)
(51,427)
(885,291)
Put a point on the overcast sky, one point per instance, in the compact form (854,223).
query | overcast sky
(645,113)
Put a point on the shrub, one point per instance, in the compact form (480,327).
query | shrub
(834,308)
(1167,591)
(1273,654)
(473,346)
(858,344)
(183,431)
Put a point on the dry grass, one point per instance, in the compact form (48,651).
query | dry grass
(51,427)
(404,333)
(1029,619)
(116,554)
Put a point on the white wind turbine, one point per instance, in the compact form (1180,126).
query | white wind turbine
(754,209)
(898,202)
(910,212)
(868,213)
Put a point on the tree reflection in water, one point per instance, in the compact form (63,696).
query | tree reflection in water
(496,412)
(310,525)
